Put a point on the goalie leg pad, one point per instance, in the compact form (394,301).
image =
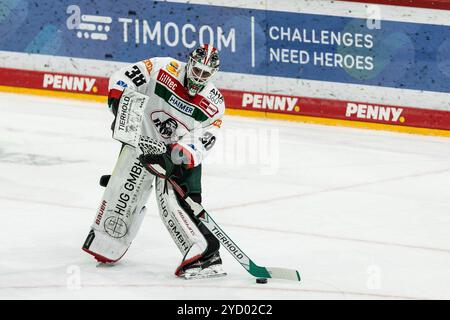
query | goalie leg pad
(121,210)
(213,243)
(184,231)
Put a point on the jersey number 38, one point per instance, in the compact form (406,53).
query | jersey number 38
(136,76)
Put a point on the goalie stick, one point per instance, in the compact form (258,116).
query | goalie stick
(150,146)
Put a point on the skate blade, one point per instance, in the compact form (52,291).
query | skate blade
(205,276)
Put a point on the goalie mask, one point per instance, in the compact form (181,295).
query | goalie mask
(202,64)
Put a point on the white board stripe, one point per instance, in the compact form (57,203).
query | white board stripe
(242,82)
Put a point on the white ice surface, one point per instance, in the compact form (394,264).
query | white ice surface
(362,214)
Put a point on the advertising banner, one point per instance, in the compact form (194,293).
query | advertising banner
(256,42)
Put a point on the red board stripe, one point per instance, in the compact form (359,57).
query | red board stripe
(54,81)
(338,109)
(261,103)
(430,4)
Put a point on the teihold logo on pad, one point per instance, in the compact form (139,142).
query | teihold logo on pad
(92,27)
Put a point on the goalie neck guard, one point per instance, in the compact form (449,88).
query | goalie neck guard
(202,64)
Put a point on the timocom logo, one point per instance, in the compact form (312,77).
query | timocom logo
(70,83)
(269,102)
(367,111)
(88,26)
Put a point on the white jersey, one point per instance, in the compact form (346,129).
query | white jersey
(188,123)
